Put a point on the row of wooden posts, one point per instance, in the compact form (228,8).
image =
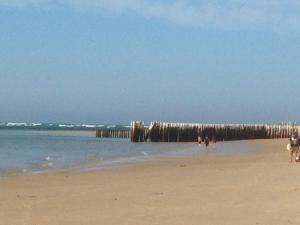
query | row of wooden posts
(187,132)
(112,133)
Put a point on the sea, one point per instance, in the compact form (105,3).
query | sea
(34,148)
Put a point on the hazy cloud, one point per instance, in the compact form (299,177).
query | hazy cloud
(230,15)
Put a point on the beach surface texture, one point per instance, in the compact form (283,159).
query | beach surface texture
(257,188)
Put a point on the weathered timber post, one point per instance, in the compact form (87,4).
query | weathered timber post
(137,131)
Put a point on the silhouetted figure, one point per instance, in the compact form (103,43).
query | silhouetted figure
(293,147)
(206,141)
(199,140)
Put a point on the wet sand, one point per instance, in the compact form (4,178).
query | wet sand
(260,188)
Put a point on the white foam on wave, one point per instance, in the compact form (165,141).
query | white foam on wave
(48,158)
(88,125)
(66,125)
(111,126)
(15,124)
(35,124)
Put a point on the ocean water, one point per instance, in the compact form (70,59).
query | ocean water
(58,126)
(37,151)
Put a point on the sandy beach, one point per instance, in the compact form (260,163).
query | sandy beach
(259,188)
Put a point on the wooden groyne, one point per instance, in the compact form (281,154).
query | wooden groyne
(187,132)
(112,133)
(138,132)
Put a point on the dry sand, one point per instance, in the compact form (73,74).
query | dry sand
(260,188)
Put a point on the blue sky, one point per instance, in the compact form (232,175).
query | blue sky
(112,61)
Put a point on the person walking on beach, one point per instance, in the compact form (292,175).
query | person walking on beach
(293,147)
(206,141)
(199,140)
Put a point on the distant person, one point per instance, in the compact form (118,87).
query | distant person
(199,140)
(293,147)
(206,141)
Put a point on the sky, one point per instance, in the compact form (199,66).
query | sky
(113,61)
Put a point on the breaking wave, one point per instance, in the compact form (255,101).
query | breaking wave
(60,126)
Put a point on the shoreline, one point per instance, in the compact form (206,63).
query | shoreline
(258,188)
(170,151)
